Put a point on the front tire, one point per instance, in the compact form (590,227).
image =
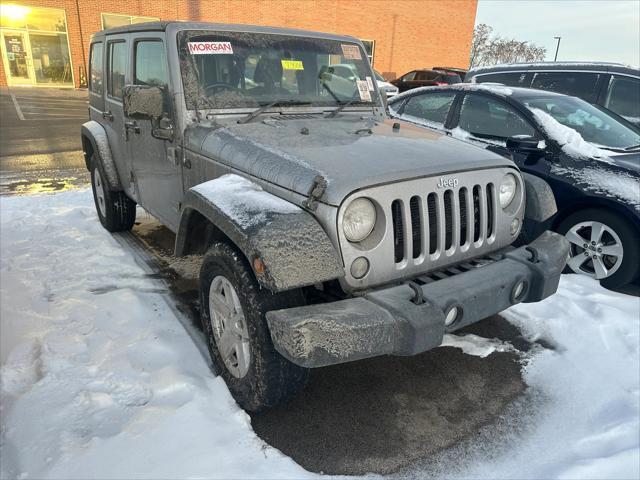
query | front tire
(116,211)
(233,315)
(603,245)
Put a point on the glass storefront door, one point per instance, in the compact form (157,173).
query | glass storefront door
(17,59)
(35,46)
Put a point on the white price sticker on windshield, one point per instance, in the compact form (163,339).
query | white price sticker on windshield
(210,48)
(350,52)
(370,83)
(363,90)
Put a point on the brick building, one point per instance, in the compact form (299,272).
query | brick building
(45,42)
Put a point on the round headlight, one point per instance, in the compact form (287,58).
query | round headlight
(359,219)
(507,190)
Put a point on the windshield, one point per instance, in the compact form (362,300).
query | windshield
(224,70)
(594,125)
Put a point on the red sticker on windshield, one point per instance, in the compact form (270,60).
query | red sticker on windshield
(351,52)
(210,48)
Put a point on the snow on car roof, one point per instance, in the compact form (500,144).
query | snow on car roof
(495,88)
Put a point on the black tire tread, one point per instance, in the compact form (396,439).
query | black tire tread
(120,209)
(272,379)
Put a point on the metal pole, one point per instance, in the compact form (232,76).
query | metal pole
(557,48)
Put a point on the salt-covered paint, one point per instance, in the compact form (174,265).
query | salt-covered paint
(242,200)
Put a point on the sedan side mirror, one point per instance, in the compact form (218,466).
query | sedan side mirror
(143,101)
(524,144)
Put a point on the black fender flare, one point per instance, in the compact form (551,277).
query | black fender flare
(96,136)
(291,245)
(540,200)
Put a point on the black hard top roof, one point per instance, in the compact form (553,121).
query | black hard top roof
(223,27)
(561,66)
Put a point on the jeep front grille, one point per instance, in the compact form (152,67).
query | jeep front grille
(442,222)
(423,227)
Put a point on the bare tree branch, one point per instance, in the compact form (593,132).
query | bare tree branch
(490,49)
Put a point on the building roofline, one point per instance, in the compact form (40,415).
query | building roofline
(222,27)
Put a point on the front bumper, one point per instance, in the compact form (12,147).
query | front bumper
(408,319)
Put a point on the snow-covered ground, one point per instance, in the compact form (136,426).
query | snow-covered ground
(101,380)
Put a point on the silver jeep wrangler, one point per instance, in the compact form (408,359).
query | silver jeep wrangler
(329,233)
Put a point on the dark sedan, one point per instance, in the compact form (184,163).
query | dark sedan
(589,157)
(425,78)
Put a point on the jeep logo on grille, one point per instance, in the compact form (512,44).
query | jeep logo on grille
(445,182)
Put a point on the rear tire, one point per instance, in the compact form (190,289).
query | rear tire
(611,233)
(233,307)
(116,211)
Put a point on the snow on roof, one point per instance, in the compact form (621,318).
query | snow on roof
(569,139)
(243,200)
(493,88)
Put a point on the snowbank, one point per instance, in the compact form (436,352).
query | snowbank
(589,426)
(100,379)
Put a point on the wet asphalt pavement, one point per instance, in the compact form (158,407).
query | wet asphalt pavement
(40,147)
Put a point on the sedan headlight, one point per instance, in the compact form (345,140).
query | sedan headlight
(507,190)
(359,219)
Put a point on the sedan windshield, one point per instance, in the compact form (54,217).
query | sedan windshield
(230,70)
(594,125)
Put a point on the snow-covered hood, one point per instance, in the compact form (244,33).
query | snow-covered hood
(349,153)
(628,161)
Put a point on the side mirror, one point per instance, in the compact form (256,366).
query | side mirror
(524,144)
(143,101)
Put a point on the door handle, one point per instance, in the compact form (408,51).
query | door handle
(107,116)
(132,126)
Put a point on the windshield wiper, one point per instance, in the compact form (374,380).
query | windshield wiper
(341,107)
(266,106)
(632,147)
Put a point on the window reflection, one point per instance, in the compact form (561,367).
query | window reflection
(36,47)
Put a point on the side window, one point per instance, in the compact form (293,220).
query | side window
(484,116)
(433,107)
(511,79)
(95,64)
(116,68)
(578,84)
(408,77)
(150,63)
(623,97)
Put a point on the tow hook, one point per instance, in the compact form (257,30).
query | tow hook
(418,296)
(533,252)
